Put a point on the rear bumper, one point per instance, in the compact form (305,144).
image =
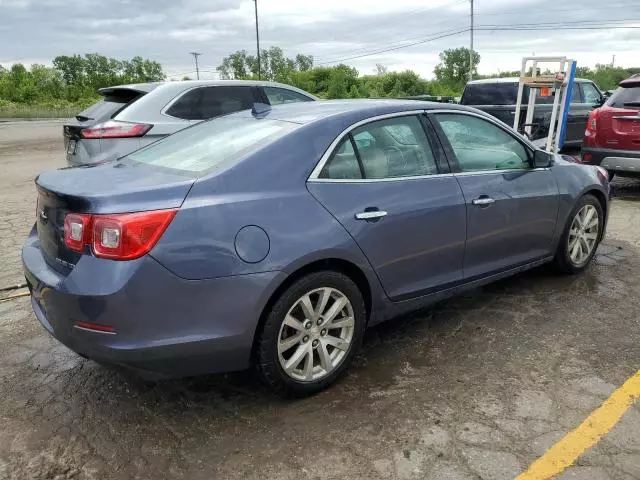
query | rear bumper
(623,161)
(165,326)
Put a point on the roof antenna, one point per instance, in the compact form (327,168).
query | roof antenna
(260,109)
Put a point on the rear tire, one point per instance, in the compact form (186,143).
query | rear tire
(581,236)
(311,334)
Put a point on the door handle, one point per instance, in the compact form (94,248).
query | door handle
(371,215)
(483,201)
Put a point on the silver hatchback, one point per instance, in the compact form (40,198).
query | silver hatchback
(131,116)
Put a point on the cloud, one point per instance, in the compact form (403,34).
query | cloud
(330,30)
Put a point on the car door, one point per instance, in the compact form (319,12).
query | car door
(386,181)
(511,207)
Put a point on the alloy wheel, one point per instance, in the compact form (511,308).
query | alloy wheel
(316,334)
(583,235)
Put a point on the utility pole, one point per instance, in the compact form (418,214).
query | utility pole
(195,57)
(471,47)
(258,41)
(613,61)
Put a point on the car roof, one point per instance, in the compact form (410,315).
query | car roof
(182,85)
(354,109)
(632,81)
(510,80)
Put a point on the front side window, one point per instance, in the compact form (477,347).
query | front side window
(278,96)
(208,146)
(591,94)
(480,145)
(208,102)
(392,148)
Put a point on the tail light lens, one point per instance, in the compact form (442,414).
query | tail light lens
(77,231)
(117,237)
(116,129)
(592,123)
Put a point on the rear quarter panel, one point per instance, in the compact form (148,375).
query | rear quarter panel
(268,191)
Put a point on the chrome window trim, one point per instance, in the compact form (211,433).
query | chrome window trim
(370,180)
(314,176)
(501,171)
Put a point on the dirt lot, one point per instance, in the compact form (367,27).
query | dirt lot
(476,388)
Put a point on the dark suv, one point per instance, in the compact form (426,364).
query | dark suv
(498,96)
(612,137)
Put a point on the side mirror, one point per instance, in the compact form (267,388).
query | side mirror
(541,159)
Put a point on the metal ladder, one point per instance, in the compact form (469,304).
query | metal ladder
(561,82)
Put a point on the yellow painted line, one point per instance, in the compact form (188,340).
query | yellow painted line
(588,433)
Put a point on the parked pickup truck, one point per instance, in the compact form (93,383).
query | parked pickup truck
(497,96)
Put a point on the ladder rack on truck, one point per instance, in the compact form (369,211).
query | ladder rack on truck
(559,84)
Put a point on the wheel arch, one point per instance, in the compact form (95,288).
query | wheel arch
(346,267)
(602,200)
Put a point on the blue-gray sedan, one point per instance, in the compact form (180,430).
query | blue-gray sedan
(274,237)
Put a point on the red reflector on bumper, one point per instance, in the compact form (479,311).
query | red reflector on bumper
(96,327)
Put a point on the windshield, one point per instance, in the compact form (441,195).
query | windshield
(212,144)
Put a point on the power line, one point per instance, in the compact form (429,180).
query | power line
(438,37)
(607,9)
(555,27)
(563,23)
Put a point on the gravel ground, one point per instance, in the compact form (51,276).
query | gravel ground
(475,388)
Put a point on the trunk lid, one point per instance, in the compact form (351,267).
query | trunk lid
(619,120)
(104,189)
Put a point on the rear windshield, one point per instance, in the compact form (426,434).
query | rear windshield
(109,106)
(625,98)
(212,144)
(492,94)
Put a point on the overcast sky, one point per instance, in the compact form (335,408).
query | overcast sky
(35,31)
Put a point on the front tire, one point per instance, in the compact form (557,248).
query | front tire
(311,334)
(581,236)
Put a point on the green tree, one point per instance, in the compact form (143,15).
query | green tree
(453,69)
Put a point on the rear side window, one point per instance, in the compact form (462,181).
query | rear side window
(109,106)
(278,96)
(208,102)
(343,164)
(391,148)
(208,146)
(625,98)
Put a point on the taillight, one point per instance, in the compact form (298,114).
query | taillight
(590,139)
(116,129)
(592,123)
(119,237)
(77,231)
